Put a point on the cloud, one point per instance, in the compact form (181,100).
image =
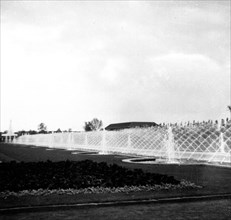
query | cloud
(111,72)
(190,83)
(119,61)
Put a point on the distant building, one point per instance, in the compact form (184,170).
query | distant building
(126,125)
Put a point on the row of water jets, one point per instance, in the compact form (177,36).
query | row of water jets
(174,144)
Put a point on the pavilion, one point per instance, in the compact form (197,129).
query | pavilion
(127,125)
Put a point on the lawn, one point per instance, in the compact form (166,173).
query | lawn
(215,180)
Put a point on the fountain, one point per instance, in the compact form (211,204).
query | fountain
(70,141)
(104,150)
(221,137)
(198,143)
(222,143)
(51,141)
(170,147)
(10,135)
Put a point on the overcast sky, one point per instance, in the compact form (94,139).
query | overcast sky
(66,62)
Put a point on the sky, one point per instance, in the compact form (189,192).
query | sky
(66,62)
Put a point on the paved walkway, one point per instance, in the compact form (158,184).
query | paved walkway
(212,209)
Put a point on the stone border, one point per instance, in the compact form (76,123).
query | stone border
(130,160)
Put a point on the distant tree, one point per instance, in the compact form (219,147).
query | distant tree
(42,128)
(93,125)
(96,124)
(87,126)
(69,130)
(58,130)
(20,133)
(32,132)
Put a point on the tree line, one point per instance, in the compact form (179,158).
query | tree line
(93,125)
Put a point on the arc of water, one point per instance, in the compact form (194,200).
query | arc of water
(103,143)
(170,146)
(69,141)
(202,154)
(184,142)
(28,138)
(130,146)
(186,149)
(223,160)
(86,141)
(191,145)
(195,150)
(157,147)
(51,144)
(213,153)
(200,142)
(222,143)
(221,146)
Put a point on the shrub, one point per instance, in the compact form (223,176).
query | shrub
(76,175)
